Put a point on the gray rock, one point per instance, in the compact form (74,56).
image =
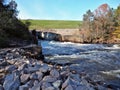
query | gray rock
(17,73)
(54,73)
(97,78)
(9,57)
(11,82)
(4,63)
(49,79)
(39,75)
(11,68)
(17,53)
(33,76)
(75,82)
(24,78)
(16,84)
(50,88)
(46,85)
(30,83)
(23,87)
(75,77)
(11,61)
(1,59)
(8,81)
(19,62)
(33,69)
(1,87)
(2,77)
(64,73)
(69,87)
(49,36)
(82,87)
(13,50)
(57,83)
(45,68)
(36,87)
(23,66)
(68,82)
(37,65)
(101,87)
(25,71)
(2,70)
(84,82)
(36,82)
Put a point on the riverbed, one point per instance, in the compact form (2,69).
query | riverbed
(96,59)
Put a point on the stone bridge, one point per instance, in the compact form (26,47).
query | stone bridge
(70,35)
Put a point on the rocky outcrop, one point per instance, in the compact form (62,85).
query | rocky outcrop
(21,70)
(64,35)
(49,36)
(33,51)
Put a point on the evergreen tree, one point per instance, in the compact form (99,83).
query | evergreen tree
(10,26)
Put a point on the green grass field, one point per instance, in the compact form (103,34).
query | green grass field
(53,24)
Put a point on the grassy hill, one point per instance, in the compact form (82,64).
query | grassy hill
(52,24)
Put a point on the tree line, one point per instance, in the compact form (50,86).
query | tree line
(99,25)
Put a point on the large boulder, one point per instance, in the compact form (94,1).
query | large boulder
(11,82)
(49,36)
(33,51)
(24,78)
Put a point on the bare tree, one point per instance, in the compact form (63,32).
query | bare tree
(104,21)
(98,24)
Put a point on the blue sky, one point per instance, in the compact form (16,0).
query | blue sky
(59,9)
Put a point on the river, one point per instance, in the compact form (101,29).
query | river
(95,59)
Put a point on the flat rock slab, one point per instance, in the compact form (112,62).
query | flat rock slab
(11,82)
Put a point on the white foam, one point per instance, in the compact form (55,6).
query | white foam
(76,50)
(77,45)
(67,56)
(115,46)
(115,73)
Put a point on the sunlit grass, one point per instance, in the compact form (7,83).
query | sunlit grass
(53,24)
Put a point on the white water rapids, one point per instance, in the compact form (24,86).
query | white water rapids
(91,58)
(80,51)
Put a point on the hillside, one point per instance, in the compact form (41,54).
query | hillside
(52,24)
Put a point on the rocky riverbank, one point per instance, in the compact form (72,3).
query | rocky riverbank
(24,69)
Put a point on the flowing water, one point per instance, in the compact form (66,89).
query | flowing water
(91,58)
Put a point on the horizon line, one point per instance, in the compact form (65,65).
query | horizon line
(53,19)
